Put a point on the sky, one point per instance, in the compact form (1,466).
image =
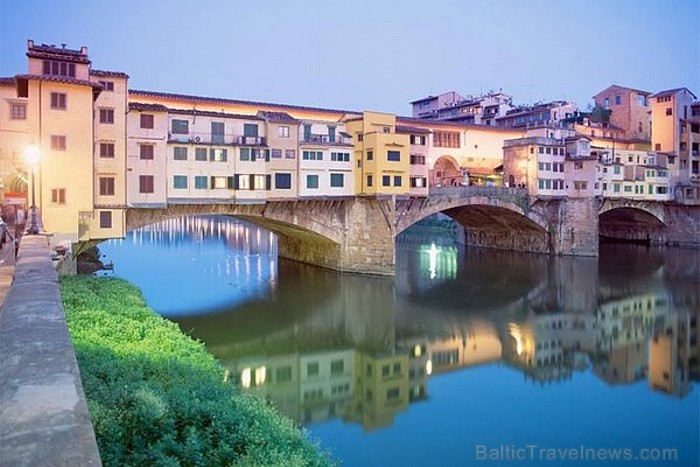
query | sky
(370,54)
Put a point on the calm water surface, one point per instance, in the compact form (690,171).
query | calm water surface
(466,357)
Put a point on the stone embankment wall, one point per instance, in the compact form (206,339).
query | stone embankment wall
(43,414)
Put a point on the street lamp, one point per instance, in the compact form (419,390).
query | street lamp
(32,155)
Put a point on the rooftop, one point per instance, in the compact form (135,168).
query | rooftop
(220,100)
(147,107)
(51,52)
(282,117)
(646,93)
(670,92)
(116,74)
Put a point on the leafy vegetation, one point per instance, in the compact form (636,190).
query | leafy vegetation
(157,397)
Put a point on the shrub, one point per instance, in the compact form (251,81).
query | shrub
(157,397)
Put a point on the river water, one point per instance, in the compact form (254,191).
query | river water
(466,357)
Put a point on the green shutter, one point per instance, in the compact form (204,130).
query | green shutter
(229,182)
(267,156)
(211,182)
(212,154)
(268,182)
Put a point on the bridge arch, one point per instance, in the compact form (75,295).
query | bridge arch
(638,222)
(504,207)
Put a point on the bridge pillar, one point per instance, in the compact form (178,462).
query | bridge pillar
(573,226)
(366,241)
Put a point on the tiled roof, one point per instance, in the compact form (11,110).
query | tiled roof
(432,123)
(670,92)
(207,113)
(219,100)
(646,93)
(147,107)
(411,129)
(429,98)
(60,79)
(7,80)
(52,52)
(283,117)
(116,74)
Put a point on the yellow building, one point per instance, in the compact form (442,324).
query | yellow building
(381,155)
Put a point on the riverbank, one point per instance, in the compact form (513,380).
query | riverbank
(157,397)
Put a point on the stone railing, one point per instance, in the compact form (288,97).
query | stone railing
(43,414)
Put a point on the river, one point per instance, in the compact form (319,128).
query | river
(467,356)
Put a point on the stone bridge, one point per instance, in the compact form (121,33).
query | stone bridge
(357,234)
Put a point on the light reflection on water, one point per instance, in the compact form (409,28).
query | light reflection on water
(462,347)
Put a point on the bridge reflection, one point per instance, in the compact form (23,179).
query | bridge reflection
(365,349)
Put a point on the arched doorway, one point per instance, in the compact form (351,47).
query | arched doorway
(445,172)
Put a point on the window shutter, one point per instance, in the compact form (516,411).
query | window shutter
(251,182)
(211,182)
(212,154)
(224,155)
(230,184)
(268,182)
(236,183)
(267,156)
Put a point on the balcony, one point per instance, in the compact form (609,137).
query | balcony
(227,139)
(317,139)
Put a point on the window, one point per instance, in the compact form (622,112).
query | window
(369,180)
(337,180)
(360,137)
(290,153)
(397,180)
(200,154)
(578,165)
(370,155)
(200,182)
(394,156)
(540,150)
(52,67)
(312,181)
(618,100)
(331,134)
(107,150)
(417,159)
(180,127)
(180,153)
(58,142)
(337,367)
(446,139)
(146,121)
(283,181)
(245,154)
(105,219)
(250,130)
(669,110)
(584,185)
(386,180)
(312,369)
(276,153)
(312,155)
(146,152)
(219,182)
(107,116)
(107,85)
(218,155)
(283,131)
(641,100)
(145,183)
(58,100)
(106,186)
(417,140)
(180,182)
(18,112)
(58,195)
(340,156)
(606,103)
(418,182)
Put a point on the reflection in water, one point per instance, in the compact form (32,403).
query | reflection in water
(327,346)
(219,262)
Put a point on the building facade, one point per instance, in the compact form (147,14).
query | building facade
(629,110)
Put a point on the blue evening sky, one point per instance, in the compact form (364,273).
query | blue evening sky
(370,54)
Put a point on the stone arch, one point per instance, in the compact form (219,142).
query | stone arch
(635,209)
(420,209)
(445,172)
(631,223)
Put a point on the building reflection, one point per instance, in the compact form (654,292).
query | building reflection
(365,349)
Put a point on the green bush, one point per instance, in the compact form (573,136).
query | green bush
(157,397)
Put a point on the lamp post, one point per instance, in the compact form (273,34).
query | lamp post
(31,154)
